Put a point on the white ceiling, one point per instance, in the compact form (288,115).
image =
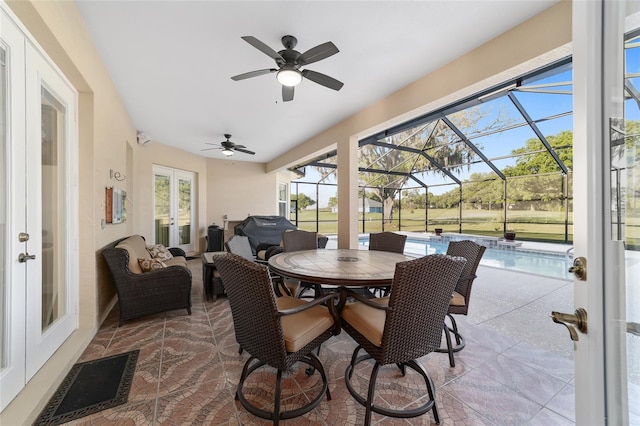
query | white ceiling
(171,61)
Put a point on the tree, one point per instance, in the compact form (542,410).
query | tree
(436,139)
(534,178)
(539,160)
(303,201)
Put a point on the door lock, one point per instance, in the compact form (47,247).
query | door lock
(579,320)
(23,237)
(579,268)
(23,257)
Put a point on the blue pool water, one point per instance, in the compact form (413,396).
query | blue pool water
(550,264)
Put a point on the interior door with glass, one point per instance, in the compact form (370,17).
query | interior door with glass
(51,213)
(12,209)
(38,209)
(174,200)
(606,229)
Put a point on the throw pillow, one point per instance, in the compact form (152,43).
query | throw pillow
(148,265)
(159,252)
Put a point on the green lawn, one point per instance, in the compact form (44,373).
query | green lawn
(527,224)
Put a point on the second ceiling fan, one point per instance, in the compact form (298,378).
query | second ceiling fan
(289,62)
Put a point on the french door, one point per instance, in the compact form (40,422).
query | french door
(174,208)
(38,209)
(607,229)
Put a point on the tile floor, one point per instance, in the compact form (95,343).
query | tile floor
(188,366)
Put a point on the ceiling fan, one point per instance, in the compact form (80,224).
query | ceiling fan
(228,147)
(289,62)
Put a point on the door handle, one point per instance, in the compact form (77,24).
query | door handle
(579,320)
(23,257)
(579,268)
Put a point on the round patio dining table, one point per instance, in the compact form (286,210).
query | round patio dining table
(341,267)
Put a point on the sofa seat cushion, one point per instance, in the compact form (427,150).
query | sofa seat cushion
(137,249)
(176,260)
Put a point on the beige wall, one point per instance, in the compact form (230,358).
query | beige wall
(231,187)
(239,189)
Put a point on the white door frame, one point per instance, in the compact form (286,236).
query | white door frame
(600,397)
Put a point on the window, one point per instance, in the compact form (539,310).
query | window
(282,199)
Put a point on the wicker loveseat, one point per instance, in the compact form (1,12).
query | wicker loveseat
(145,293)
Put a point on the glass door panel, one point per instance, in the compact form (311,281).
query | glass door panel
(625,161)
(184,211)
(162,213)
(3,213)
(53,227)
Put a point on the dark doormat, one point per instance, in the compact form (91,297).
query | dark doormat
(90,387)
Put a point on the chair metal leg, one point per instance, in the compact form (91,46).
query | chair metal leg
(447,335)
(454,327)
(276,404)
(370,394)
(460,342)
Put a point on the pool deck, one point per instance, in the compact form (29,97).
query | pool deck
(514,308)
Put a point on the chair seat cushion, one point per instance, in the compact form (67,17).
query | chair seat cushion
(457,299)
(301,328)
(366,320)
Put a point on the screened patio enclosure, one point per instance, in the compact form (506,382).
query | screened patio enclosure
(497,161)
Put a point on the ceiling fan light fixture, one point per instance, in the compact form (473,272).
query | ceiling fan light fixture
(227,152)
(289,77)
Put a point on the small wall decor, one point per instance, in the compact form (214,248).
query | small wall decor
(116,175)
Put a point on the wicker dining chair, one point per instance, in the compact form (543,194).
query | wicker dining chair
(459,303)
(298,240)
(386,241)
(277,332)
(407,328)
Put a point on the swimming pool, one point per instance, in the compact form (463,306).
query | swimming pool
(549,264)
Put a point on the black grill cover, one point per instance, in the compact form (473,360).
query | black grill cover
(263,230)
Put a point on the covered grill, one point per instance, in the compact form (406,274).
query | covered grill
(263,231)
